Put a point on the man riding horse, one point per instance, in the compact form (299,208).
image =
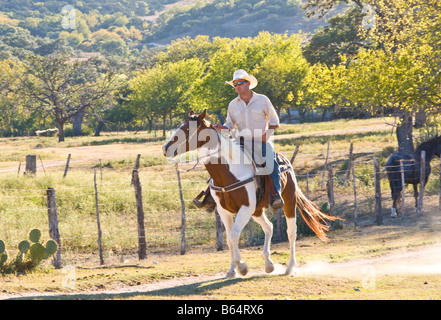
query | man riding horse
(256,119)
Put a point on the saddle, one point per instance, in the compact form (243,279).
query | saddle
(265,187)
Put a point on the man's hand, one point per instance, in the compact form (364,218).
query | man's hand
(220,127)
(267,134)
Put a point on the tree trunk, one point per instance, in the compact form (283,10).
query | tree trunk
(99,127)
(60,126)
(404,134)
(164,119)
(77,121)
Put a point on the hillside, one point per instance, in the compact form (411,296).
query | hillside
(220,18)
(123,28)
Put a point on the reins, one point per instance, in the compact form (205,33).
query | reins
(228,188)
(203,157)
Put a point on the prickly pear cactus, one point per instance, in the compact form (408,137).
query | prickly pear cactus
(24,246)
(2,246)
(30,253)
(3,255)
(51,247)
(37,251)
(35,235)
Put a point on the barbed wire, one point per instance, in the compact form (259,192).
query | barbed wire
(120,229)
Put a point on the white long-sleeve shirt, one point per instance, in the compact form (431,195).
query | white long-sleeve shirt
(251,119)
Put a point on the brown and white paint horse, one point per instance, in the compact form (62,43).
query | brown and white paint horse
(233,187)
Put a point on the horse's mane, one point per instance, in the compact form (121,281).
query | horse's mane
(427,144)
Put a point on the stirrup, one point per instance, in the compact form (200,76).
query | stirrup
(207,203)
(197,202)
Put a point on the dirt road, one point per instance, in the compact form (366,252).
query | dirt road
(423,261)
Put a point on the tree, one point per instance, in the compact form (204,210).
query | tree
(281,75)
(64,87)
(164,90)
(340,36)
(400,72)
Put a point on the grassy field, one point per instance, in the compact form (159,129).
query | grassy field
(112,157)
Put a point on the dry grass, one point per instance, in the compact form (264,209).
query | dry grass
(199,273)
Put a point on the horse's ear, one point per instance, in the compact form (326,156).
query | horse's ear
(190,113)
(203,115)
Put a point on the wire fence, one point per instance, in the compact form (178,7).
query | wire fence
(24,206)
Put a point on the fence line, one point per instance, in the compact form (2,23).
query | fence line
(189,227)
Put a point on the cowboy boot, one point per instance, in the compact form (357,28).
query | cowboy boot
(277,202)
(276,199)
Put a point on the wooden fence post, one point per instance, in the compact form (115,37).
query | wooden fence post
(355,196)
(326,164)
(99,241)
(67,165)
(403,187)
(183,216)
(279,220)
(377,176)
(31,164)
(219,232)
(142,246)
(330,190)
(307,185)
(53,225)
(348,170)
(137,162)
(294,154)
(422,183)
(251,240)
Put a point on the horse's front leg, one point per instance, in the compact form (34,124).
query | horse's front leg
(267,228)
(232,230)
(227,219)
(242,218)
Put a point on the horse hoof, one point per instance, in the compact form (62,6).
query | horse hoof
(289,271)
(242,268)
(231,274)
(269,267)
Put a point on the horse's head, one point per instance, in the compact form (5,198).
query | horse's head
(432,147)
(437,151)
(191,135)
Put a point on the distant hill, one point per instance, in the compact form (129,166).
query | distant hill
(229,18)
(125,27)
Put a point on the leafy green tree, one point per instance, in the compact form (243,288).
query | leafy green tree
(400,74)
(340,36)
(164,90)
(282,75)
(64,87)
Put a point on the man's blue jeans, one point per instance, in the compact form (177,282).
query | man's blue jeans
(275,173)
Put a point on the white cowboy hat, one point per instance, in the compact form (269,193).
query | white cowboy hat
(242,74)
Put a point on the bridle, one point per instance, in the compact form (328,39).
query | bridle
(204,156)
(228,188)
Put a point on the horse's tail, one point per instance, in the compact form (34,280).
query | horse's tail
(312,215)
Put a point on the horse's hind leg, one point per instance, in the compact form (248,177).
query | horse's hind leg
(292,235)
(267,228)
(415,194)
